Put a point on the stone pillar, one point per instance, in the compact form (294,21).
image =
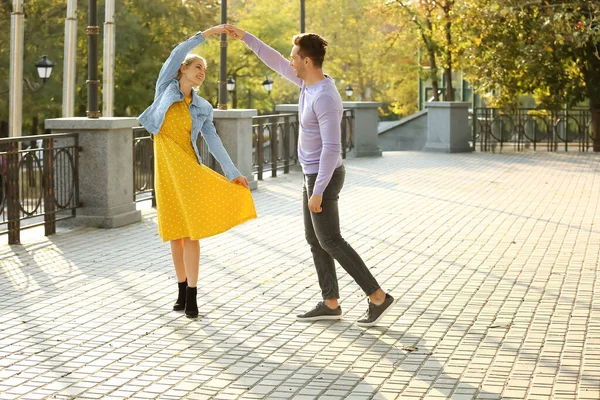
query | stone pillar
(366,120)
(105,170)
(235,129)
(448,127)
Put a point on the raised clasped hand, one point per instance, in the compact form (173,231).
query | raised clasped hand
(233,32)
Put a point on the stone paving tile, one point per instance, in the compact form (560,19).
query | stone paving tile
(493,257)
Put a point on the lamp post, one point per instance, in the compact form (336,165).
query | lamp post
(268,85)
(231,90)
(230,84)
(302,16)
(349,91)
(92,80)
(44,69)
(222,99)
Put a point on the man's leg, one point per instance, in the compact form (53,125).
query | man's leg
(329,308)
(326,225)
(324,262)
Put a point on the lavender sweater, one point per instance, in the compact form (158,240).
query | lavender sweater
(320,112)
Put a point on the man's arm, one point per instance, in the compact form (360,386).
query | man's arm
(271,57)
(329,118)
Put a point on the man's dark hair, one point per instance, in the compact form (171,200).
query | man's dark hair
(312,46)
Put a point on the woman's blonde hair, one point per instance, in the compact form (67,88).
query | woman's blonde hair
(190,58)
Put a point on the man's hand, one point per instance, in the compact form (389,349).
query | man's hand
(233,32)
(241,180)
(314,203)
(214,30)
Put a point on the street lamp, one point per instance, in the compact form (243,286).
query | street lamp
(44,68)
(268,85)
(230,84)
(349,91)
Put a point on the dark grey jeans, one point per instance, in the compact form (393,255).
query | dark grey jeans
(322,232)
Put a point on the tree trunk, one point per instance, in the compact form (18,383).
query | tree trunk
(428,40)
(591,74)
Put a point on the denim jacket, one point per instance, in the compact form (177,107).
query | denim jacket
(168,92)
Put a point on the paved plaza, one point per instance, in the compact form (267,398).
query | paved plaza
(493,257)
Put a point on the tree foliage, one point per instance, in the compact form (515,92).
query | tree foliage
(546,48)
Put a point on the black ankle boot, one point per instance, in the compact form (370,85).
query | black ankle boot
(180,303)
(191,307)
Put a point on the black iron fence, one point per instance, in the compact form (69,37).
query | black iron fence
(534,129)
(39,182)
(143,164)
(275,141)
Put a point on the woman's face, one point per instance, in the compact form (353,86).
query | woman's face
(194,73)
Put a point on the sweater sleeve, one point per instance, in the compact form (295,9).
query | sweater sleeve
(329,117)
(272,58)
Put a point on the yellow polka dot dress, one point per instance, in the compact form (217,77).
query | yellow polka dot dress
(192,200)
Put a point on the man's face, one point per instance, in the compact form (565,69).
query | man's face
(297,62)
(195,72)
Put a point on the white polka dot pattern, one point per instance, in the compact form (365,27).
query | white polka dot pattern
(192,200)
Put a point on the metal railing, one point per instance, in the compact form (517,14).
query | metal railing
(347,132)
(39,185)
(522,129)
(275,141)
(143,164)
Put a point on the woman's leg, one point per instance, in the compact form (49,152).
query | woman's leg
(191,258)
(177,254)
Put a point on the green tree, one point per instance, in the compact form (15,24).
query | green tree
(549,48)
(433,23)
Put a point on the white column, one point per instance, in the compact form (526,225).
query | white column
(70,60)
(17,37)
(108,69)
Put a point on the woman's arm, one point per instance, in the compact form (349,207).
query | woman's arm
(216,148)
(173,63)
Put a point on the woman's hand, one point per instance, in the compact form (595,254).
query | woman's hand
(214,30)
(241,180)
(233,32)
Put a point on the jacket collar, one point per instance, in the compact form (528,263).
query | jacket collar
(196,100)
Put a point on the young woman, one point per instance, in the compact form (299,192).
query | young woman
(193,201)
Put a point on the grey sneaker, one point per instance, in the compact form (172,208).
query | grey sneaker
(375,313)
(321,313)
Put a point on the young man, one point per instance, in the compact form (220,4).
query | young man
(320,112)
